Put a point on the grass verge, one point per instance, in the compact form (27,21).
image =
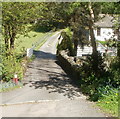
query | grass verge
(109,102)
(8,86)
(103,42)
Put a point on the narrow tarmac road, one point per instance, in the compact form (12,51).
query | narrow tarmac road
(48,91)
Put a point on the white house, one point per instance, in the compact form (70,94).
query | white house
(103,30)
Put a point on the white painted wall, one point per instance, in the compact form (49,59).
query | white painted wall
(105,34)
(29,52)
(88,50)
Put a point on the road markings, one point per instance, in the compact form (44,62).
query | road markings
(41,101)
(29,102)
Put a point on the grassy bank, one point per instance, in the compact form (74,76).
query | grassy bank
(22,43)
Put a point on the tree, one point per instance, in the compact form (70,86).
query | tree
(15,16)
(54,15)
(93,42)
(84,16)
(78,25)
(110,7)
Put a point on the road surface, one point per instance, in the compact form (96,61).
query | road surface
(48,91)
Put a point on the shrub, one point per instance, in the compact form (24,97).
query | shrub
(88,67)
(96,86)
(108,99)
(115,72)
(10,66)
(65,44)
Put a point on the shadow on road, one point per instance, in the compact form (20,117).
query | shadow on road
(44,55)
(48,74)
(56,84)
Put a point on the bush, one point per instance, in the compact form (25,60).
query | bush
(10,66)
(108,99)
(88,67)
(115,72)
(66,44)
(68,32)
(102,84)
(43,26)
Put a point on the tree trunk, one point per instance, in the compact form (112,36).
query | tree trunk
(12,39)
(91,27)
(118,44)
(6,44)
(75,42)
(12,43)
(75,47)
(6,39)
(93,42)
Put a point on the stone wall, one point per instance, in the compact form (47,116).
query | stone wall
(69,65)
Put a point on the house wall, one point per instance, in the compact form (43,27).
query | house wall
(105,34)
(87,50)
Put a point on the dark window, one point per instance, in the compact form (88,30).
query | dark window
(98,31)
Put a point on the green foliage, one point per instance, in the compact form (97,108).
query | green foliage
(104,87)
(15,16)
(109,100)
(68,32)
(65,44)
(102,77)
(110,8)
(10,66)
(106,96)
(43,27)
(6,86)
(88,67)
(103,42)
(53,15)
(112,43)
(115,72)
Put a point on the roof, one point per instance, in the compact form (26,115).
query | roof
(106,21)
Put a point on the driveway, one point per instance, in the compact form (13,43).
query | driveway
(47,90)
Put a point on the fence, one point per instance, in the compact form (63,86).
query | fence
(30,50)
